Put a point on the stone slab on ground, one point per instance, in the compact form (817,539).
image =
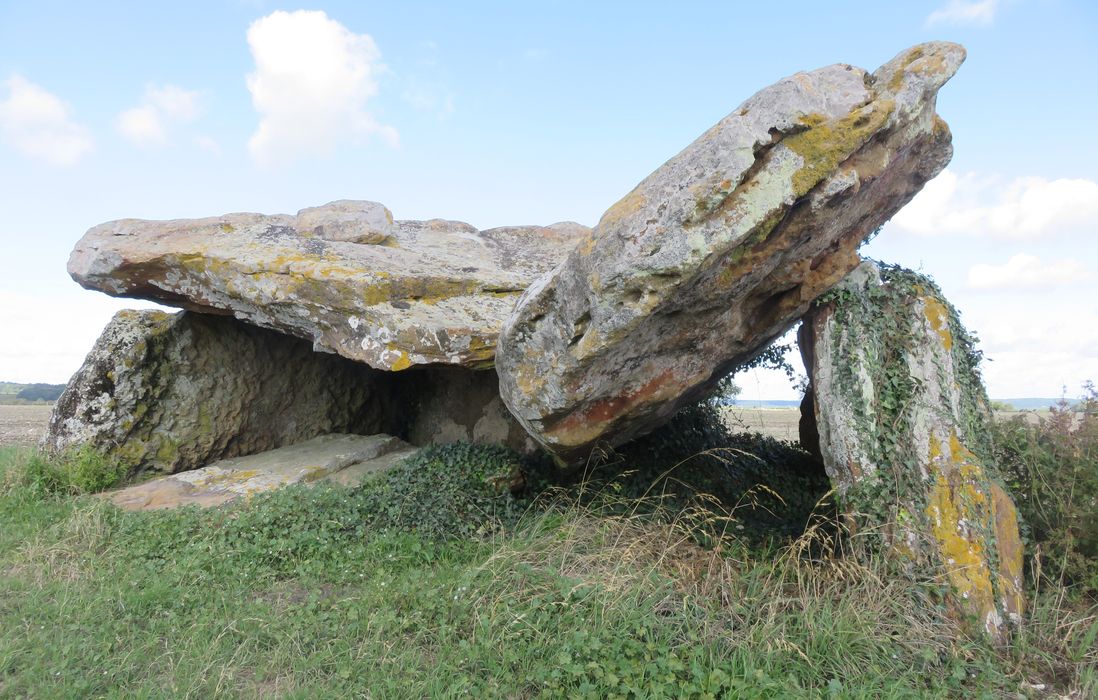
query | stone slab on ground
(322,458)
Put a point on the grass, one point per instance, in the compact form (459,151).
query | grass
(342,593)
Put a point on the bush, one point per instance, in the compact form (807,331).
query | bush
(74,472)
(771,488)
(1051,466)
(455,490)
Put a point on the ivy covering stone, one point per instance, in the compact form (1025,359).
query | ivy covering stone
(903,424)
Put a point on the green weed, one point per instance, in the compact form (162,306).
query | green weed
(579,592)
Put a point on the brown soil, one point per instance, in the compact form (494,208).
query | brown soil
(780,423)
(23,426)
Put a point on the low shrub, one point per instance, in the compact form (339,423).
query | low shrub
(764,488)
(443,493)
(1051,466)
(455,490)
(77,471)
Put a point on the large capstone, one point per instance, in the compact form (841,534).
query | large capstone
(172,392)
(721,249)
(345,276)
(903,427)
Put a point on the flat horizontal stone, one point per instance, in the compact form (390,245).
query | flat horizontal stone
(322,458)
(345,276)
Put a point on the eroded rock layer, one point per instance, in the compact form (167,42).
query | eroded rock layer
(346,276)
(721,249)
(172,392)
(903,423)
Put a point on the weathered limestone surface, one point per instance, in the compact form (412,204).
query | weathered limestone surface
(344,459)
(171,392)
(902,419)
(721,249)
(345,276)
(453,404)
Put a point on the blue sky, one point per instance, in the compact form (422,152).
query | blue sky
(508,113)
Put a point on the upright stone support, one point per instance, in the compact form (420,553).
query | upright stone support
(903,424)
(173,392)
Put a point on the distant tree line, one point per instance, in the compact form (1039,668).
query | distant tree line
(41,392)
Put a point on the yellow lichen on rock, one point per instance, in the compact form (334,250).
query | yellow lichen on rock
(955,520)
(825,144)
(1011,552)
(624,207)
(938,317)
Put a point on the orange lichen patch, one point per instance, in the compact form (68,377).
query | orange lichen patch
(583,426)
(626,206)
(1009,544)
(938,317)
(960,461)
(530,383)
(752,249)
(591,341)
(917,61)
(940,128)
(898,78)
(404,361)
(825,144)
(961,549)
(708,198)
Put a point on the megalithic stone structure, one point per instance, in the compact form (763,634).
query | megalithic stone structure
(721,249)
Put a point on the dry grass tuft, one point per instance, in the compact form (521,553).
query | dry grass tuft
(66,551)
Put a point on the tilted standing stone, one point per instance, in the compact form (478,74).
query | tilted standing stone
(172,392)
(721,249)
(903,425)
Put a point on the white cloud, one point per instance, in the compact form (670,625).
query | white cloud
(39,124)
(1039,350)
(964,12)
(1026,271)
(142,126)
(175,103)
(1026,207)
(147,125)
(207,144)
(312,84)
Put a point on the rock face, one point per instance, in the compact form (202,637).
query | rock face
(721,249)
(171,392)
(344,459)
(452,404)
(902,420)
(392,294)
